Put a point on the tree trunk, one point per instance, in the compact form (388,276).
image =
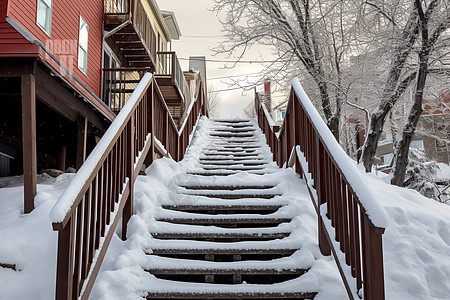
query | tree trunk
(394,88)
(402,147)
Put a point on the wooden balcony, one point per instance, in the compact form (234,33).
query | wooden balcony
(130,33)
(171,81)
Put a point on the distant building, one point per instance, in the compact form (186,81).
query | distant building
(432,135)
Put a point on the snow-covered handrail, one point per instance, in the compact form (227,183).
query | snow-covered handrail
(101,193)
(350,220)
(377,214)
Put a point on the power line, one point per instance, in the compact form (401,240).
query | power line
(233,61)
(204,36)
(242,75)
(232,89)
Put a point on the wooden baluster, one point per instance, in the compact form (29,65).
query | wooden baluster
(94,221)
(128,207)
(64,265)
(346,194)
(86,235)
(320,182)
(357,249)
(78,243)
(99,207)
(352,232)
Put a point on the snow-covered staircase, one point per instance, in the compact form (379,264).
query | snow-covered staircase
(226,232)
(224,223)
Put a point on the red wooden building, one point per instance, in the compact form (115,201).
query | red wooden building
(66,68)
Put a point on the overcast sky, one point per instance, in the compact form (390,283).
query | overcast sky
(201,31)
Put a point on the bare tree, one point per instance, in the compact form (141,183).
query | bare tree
(404,69)
(429,37)
(310,35)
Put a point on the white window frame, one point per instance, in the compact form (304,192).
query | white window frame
(49,4)
(82,61)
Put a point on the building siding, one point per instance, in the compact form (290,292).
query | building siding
(63,40)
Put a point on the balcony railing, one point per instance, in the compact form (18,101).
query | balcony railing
(169,65)
(119,84)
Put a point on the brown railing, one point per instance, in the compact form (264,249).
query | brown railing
(350,220)
(101,192)
(170,65)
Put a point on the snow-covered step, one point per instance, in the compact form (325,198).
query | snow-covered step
(221,209)
(223,173)
(233,150)
(221,294)
(232,155)
(234,195)
(233,168)
(231,135)
(233,121)
(225,251)
(234,130)
(231,163)
(233,159)
(226,187)
(222,236)
(228,222)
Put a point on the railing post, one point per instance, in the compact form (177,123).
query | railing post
(128,208)
(373,270)
(320,181)
(82,124)
(150,98)
(65,262)
(166,131)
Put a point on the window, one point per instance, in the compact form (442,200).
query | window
(441,129)
(44,15)
(417,144)
(83,46)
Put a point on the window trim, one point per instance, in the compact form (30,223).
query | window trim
(80,46)
(49,3)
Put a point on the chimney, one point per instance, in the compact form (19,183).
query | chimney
(267,95)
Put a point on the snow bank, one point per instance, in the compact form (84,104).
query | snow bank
(28,241)
(416,243)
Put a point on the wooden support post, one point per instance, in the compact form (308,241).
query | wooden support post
(29,140)
(130,157)
(61,164)
(82,124)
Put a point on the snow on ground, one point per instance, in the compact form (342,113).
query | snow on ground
(28,241)
(416,241)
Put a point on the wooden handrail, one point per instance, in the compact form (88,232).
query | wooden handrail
(101,192)
(350,220)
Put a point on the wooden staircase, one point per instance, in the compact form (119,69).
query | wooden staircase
(231,236)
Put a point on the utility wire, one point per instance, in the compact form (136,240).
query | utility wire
(242,75)
(233,61)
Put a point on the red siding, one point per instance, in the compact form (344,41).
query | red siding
(63,42)
(3,4)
